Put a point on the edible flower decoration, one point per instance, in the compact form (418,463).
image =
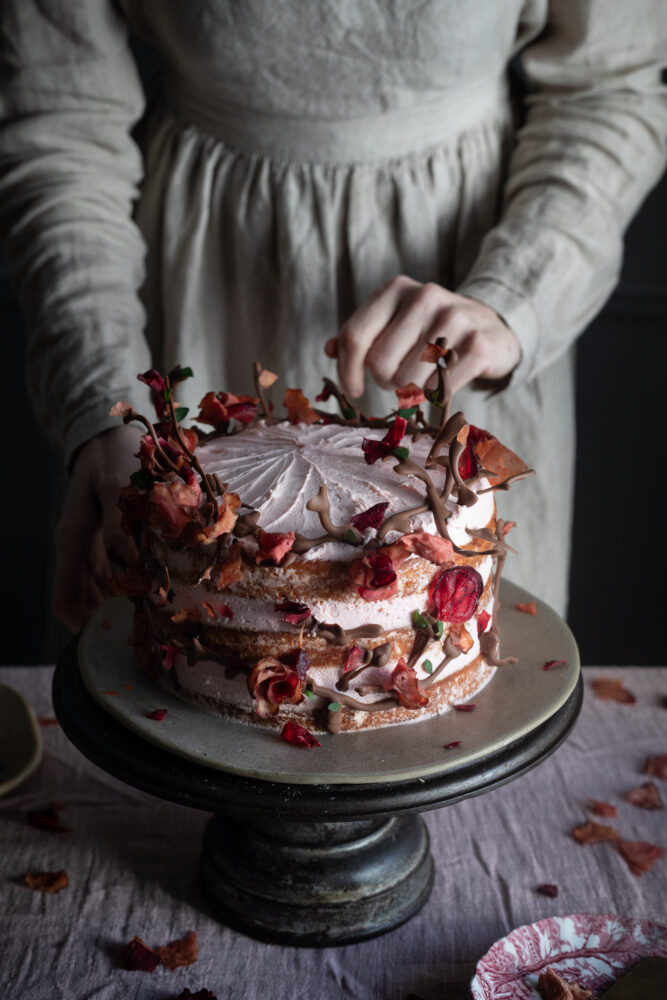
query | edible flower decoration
(404,685)
(374,450)
(271,683)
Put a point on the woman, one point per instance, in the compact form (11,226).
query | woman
(307,163)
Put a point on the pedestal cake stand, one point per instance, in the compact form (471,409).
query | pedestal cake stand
(325,846)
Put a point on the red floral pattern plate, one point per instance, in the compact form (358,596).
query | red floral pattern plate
(590,949)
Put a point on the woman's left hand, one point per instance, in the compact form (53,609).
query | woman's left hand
(388,333)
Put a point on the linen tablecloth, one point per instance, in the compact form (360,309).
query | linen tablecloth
(132,862)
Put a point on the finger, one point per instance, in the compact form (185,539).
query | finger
(331,347)
(362,328)
(449,323)
(470,362)
(404,336)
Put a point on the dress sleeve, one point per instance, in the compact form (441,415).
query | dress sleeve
(592,146)
(69,172)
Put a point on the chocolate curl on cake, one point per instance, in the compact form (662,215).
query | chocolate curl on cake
(319,504)
(351,414)
(489,641)
(175,376)
(438,354)
(124,410)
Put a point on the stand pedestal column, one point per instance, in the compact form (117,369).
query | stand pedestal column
(316,883)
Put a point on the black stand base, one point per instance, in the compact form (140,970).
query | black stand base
(301,864)
(317,883)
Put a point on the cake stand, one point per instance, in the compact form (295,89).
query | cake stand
(325,846)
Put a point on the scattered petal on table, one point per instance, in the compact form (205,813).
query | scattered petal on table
(594,833)
(184,951)
(138,957)
(608,689)
(47,881)
(646,796)
(656,767)
(639,856)
(602,808)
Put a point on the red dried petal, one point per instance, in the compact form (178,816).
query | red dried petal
(547,889)
(552,986)
(499,462)
(594,833)
(465,708)
(405,685)
(602,808)
(354,658)
(656,767)
(202,994)
(212,411)
(271,683)
(295,612)
(452,745)
(459,636)
(47,881)
(297,660)
(274,545)
(228,570)
(298,408)
(374,576)
(224,611)
(435,548)
(371,518)
(640,856)
(550,664)
(138,957)
(374,450)
(327,393)
(432,352)
(529,608)
(154,380)
(646,796)
(409,395)
(454,593)
(181,952)
(483,620)
(241,408)
(120,409)
(295,734)
(469,464)
(157,714)
(48,819)
(608,689)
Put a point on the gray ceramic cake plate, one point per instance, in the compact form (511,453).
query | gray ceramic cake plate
(323,846)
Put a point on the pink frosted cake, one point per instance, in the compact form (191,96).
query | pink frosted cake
(319,572)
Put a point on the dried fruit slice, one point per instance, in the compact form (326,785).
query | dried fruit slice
(454,593)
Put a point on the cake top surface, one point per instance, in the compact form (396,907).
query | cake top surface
(278,468)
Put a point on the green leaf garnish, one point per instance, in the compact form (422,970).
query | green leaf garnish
(401,453)
(349,412)
(308,693)
(166,395)
(428,666)
(409,413)
(185,373)
(439,628)
(418,620)
(334,706)
(141,479)
(433,396)
(352,537)
(181,413)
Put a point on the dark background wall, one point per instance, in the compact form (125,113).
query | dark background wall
(616,586)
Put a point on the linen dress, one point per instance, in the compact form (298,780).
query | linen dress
(300,155)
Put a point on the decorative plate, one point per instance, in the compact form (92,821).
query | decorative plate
(592,950)
(20,739)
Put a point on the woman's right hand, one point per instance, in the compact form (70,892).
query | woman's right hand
(89,527)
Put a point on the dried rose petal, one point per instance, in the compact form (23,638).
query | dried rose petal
(298,408)
(550,664)
(435,548)
(298,660)
(371,518)
(409,395)
(460,636)
(202,994)
(530,608)
(374,576)
(452,745)
(271,683)
(184,951)
(48,819)
(273,545)
(295,734)
(228,571)
(327,392)
(432,352)
(465,708)
(47,881)
(608,689)
(483,620)
(454,593)
(602,808)
(157,714)
(295,612)
(656,767)
(138,957)
(646,796)
(639,856)
(169,654)
(547,889)
(404,684)
(374,450)
(552,986)
(224,611)
(495,458)
(120,409)
(469,464)
(594,833)
(266,378)
(354,658)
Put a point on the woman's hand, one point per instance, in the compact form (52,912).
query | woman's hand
(89,526)
(387,335)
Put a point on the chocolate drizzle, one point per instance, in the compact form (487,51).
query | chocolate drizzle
(338,636)
(259,389)
(489,641)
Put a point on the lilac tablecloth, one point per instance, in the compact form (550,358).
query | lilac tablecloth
(132,863)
